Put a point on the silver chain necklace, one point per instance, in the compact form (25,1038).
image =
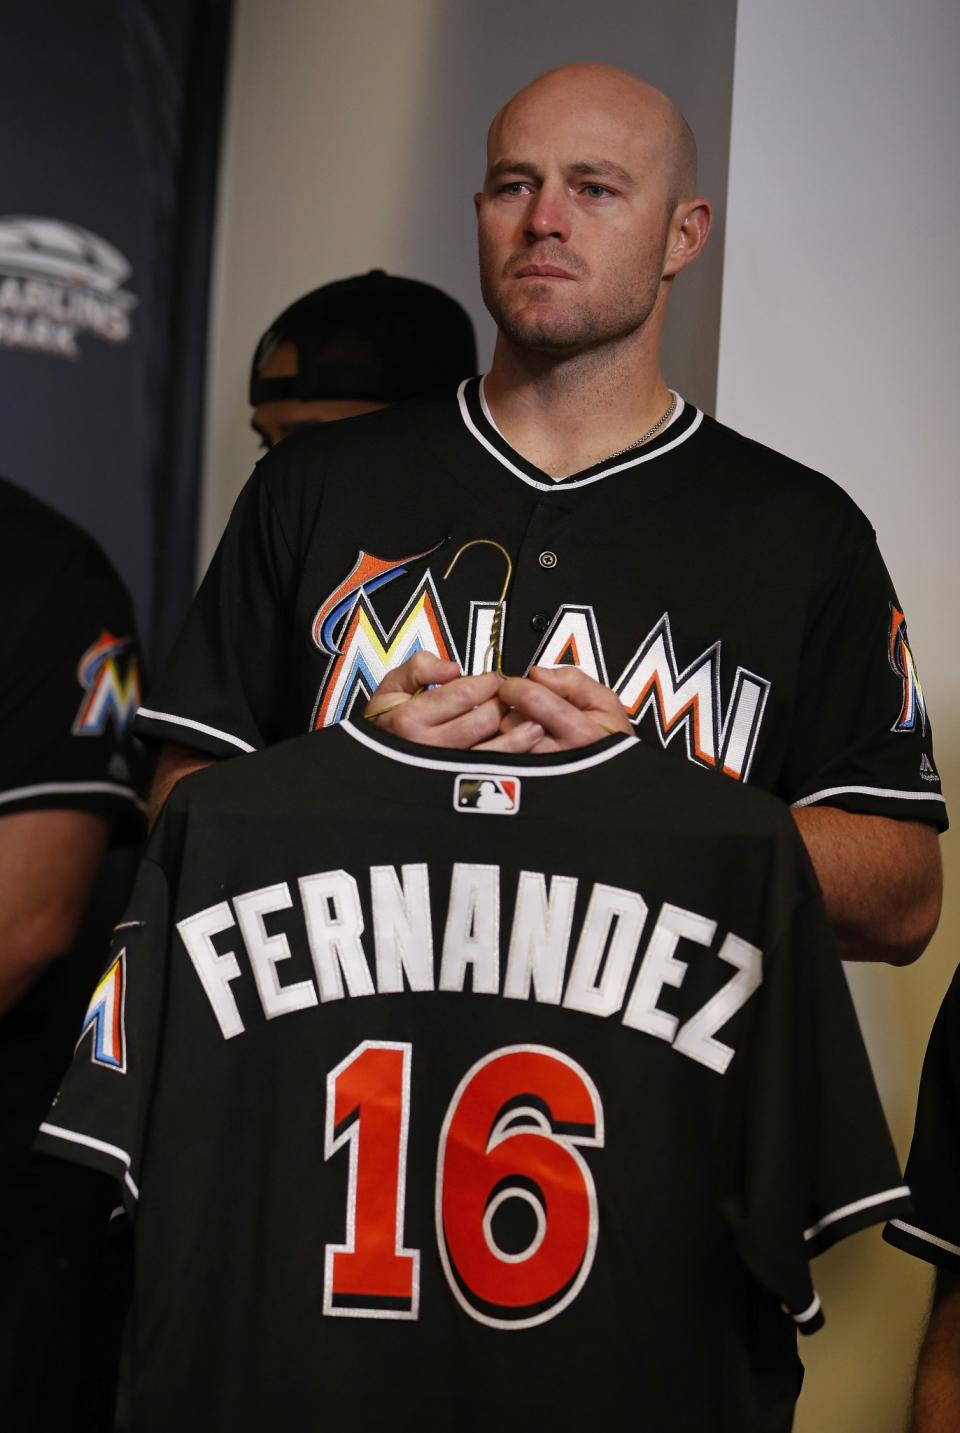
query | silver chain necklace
(644,437)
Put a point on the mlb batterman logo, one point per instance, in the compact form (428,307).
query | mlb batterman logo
(487,795)
(58,281)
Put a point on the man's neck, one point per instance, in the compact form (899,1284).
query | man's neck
(566,415)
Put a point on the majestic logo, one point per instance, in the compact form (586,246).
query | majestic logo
(490,795)
(687,701)
(110,676)
(928,772)
(57,282)
(104,1021)
(912,707)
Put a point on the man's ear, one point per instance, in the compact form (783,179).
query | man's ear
(477,200)
(689,230)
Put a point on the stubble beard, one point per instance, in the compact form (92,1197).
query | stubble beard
(565,329)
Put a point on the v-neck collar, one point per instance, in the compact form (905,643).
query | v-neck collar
(478,421)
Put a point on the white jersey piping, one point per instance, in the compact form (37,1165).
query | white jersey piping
(845,1210)
(927,1238)
(868,791)
(73,788)
(810,1312)
(492,768)
(677,410)
(115,1152)
(581,482)
(195,726)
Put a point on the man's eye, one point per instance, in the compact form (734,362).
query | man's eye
(515,186)
(597,191)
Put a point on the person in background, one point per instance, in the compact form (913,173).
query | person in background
(354,346)
(932,1231)
(72,779)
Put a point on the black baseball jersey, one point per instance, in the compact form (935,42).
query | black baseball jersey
(932,1230)
(71,674)
(433,1114)
(70,686)
(734,600)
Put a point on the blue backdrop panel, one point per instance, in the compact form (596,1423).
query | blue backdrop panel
(108,154)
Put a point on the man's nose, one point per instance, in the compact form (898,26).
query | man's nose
(548,216)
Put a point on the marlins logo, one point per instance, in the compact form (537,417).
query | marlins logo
(361,653)
(109,675)
(913,706)
(104,1019)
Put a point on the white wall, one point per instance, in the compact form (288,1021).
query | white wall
(839,345)
(355,139)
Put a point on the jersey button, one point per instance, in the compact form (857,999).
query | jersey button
(547,559)
(539,621)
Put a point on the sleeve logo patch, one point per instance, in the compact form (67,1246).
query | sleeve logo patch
(913,708)
(110,677)
(487,795)
(104,1021)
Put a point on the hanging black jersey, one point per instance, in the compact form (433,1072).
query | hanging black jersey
(735,601)
(932,1230)
(460,1090)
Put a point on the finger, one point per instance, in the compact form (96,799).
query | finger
(438,704)
(414,721)
(586,693)
(546,747)
(559,718)
(454,699)
(423,669)
(536,702)
(383,703)
(510,719)
(521,738)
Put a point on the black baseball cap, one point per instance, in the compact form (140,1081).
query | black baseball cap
(373,337)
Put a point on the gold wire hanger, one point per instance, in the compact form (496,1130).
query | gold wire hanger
(493,654)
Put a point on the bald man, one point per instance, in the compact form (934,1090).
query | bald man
(668,576)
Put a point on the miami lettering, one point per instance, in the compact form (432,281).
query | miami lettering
(680,703)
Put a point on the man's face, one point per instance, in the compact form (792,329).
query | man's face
(574,220)
(277,420)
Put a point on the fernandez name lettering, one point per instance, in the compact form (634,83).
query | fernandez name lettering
(350,961)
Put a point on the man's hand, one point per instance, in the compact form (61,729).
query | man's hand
(456,712)
(572,709)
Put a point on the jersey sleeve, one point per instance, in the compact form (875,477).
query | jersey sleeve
(100,1114)
(71,686)
(223,688)
(811,1160)
(861,738)
(932,1231)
